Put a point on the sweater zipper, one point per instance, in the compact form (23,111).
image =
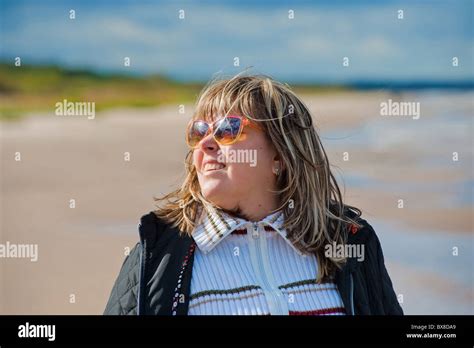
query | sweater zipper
(258,252)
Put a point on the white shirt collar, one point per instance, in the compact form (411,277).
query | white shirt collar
(214,225)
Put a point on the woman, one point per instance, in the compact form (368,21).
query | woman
(255,226)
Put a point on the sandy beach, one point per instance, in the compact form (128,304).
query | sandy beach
(80,249)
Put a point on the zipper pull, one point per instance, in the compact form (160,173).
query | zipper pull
(255,230)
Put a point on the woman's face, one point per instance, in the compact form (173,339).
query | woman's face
(232,175)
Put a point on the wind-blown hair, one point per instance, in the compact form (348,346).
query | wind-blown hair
(309,195)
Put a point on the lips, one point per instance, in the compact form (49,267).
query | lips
(210,166)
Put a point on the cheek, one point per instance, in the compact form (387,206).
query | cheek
(264,163)
(257,170)
(197,159)
(242,172)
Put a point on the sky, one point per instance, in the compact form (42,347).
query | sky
(308,48)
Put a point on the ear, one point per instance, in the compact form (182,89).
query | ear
(278,164)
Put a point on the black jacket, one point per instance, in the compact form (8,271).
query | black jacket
(157,273)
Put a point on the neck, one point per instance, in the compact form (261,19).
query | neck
(255,209)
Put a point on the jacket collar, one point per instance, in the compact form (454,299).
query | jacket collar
(214,225)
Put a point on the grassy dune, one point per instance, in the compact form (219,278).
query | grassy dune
(35,88)
(38,88)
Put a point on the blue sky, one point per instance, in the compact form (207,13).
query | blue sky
(309,47)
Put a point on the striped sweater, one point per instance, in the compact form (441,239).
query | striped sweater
(245,268)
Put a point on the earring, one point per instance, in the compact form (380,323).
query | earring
(276,171)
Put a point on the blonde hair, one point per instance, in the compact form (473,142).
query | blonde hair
(309,195)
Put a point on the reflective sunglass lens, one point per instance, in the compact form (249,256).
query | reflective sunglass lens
(227,130)
(197,132)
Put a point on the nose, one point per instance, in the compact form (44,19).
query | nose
(208,144)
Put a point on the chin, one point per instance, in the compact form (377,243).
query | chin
(217,196)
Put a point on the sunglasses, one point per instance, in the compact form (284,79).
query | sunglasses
(225,131)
